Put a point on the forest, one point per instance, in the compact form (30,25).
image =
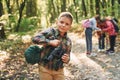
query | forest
(22,15)
(20,20)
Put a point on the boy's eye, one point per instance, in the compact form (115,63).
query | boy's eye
(67,24)
(62,22)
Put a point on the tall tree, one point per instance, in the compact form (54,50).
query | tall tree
(31,8)
(84,8)
(21,7)
(8,6)
(91,8)
(112,3)
(63,5)
(97,6)
(51,13)
(2,31)
(1,8)
(103,4)
(76,14)
(119,8)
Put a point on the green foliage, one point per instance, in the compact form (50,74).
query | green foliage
(12,18)
(28,24)
(76,28)
(9,45)
(13,46)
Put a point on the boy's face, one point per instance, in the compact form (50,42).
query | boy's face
(64,24)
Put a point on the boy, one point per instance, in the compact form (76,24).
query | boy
(51,65)
(101,36)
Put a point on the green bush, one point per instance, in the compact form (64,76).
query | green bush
(28,24)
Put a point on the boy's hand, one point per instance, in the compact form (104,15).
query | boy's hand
(54,43)
(65,58)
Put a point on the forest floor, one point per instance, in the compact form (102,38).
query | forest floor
(101,67)
(80,67)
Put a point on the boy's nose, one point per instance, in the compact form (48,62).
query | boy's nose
(63,25)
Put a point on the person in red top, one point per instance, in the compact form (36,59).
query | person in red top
(101,35)
(112,35)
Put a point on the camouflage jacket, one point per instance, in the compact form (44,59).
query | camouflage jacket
(44,37)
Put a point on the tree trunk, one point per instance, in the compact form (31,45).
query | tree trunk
(84,8)
(112,2)
(1,8)
(97,6)
(91,8)
(31,8)
(76,14)
(2,32)
(103,4)
(118,8)
(20,15)
(53,11)
(8,6)
(63,5)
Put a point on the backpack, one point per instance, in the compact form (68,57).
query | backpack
(32,54)
(86,23)
(116,27)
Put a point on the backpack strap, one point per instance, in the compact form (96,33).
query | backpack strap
(42,53)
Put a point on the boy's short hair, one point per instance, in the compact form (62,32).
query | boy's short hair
(66,14)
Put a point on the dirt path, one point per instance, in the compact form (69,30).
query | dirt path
(101,67)
(81,67)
